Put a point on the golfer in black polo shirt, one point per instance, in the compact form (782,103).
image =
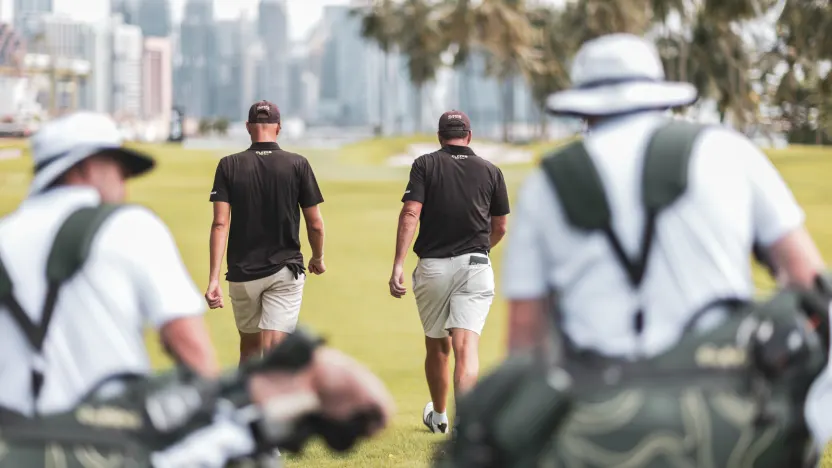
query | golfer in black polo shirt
(461,202)
(266,188)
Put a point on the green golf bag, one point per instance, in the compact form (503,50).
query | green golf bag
(127,418)
(727,397)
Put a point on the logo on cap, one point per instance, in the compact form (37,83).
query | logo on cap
(264,107)
(454,116)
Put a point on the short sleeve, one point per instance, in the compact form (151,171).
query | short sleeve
(415,190)
(499,199)
(310,194)
(221,190)
(775,212)
(524,262)
(164,287)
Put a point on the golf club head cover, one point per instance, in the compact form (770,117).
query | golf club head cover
(817,304)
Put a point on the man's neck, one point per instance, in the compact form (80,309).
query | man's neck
(458,142)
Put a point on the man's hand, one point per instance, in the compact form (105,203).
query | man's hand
(396,283)
(213,296)
(346,388)
(334,385)
(316,265)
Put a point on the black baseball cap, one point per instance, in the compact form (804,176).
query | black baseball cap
(454,120)
(264,112)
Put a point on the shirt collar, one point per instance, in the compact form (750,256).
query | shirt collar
(454,149)
(265,145)
(67,194)
(615,120)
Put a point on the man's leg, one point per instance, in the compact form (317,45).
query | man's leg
(250,346)
(245,301)
(431,287)
(438,350)
(469,307)
(466,360)
(281,307)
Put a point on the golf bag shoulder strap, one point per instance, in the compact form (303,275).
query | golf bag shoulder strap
(579,187)
(666,163)
(664,179)
(69,251)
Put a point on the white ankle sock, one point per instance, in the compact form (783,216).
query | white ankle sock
(440,418)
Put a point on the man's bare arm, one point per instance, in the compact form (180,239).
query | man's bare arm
(408,220)
(314,230)
(219,237)
(528,327)
(797,259)
(188,340)
(498,229)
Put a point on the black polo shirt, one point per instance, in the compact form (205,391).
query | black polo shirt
(459,192)
(266,188)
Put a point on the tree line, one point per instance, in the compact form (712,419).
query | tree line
(765,64)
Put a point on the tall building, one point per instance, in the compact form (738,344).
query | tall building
(195,77)
(64,47)
(250,66)
(228,69)
(27,13)
(100,83)
(347,64)
(273,31)
(128,9)
(157,83)
(153,16)
(128,48)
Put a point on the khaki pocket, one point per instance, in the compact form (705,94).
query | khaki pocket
(480,279)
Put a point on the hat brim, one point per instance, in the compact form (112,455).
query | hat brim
(135,162)
(621,98)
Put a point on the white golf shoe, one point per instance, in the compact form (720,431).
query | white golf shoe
(434,421)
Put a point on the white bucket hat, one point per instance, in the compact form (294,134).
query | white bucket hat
(66,141)
(616,74)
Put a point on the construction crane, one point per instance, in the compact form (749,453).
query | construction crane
(16,61)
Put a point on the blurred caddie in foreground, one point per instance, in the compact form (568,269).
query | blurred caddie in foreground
(634,333)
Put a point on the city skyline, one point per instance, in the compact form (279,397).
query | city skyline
(304,14)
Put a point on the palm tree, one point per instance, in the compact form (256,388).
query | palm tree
(500,30)
(422,41)
(380,23)
(804,41)
(412,27)
(553,44)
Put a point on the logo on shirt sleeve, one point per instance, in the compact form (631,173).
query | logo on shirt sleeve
(214,192)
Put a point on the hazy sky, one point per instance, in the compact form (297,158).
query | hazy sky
(303,14)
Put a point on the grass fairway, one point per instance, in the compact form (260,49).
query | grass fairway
(350,304)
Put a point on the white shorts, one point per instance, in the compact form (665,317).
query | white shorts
(453,293)
(271,303)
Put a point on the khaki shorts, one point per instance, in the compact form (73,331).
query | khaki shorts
(271,303)
(453,293)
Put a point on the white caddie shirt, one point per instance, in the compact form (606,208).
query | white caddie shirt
(700,253)
(134,277)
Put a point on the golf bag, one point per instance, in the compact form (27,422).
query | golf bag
(731,396)
(127,419)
